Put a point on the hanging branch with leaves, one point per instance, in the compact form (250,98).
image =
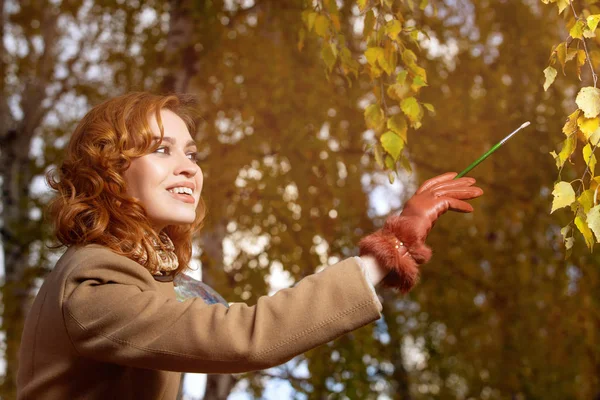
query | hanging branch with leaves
(582,126)
(390,63)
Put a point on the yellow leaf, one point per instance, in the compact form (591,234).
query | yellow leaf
(564,196)
(577,30)
(335,20)
(562,4)
(389,59)
(585,230)
(328,54)
(311,16)
(561,54)
(401,77)
(362,4)
(378,156)
(301,37)
(581,59)
(589,157)
(373,54)
(397,123)
(409,57)
(393,29)
(389,162)
(411,108)
(593,221)
(570,126)
(556,159)
(586,199)
(405,163)
(392,143)
(369,23)
(374,117)
(588,100)
(423,4)
(567,150)
(595,138)
(550,74)
(588,125)
(322,25)
(592,21)
(429,107)
(397,91)
(392,176)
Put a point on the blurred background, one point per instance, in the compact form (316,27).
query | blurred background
(499,313)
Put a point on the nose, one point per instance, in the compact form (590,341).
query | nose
(186,166)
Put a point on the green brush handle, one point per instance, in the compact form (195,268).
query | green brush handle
(479,160)
(490,151)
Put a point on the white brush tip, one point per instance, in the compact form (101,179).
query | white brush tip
(525,124)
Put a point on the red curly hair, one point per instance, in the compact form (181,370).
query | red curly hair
(91,204)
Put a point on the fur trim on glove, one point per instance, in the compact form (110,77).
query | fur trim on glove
(399,246)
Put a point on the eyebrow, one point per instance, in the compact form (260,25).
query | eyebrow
(172,141)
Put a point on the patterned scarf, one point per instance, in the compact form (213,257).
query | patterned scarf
(167,259)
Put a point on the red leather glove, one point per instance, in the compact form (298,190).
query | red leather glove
(400,245)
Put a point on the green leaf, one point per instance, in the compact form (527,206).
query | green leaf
(589,157)
(322,25)
(577,30)
(410,107)
(397,123)
(374,117)
(418,83)
(369,23)
(564,196)
(585,230)
(392,143)
(393,29)
(592,21)
(588,100)
(593,221)
(550,74)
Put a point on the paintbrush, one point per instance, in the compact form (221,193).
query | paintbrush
(490,151)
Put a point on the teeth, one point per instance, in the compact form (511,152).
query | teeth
(181,190)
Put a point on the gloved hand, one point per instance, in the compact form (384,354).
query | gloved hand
(400,245)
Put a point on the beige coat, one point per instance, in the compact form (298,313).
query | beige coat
(102,327)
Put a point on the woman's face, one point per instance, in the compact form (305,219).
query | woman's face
(157,179)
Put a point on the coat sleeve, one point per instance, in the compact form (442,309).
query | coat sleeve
(117,321)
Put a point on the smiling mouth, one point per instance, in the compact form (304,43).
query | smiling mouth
(187,198)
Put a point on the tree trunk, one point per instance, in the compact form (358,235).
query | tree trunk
(400,379)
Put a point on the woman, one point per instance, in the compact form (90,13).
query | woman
(105,323)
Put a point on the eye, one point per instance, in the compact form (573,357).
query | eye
(194,156)
(162,148)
